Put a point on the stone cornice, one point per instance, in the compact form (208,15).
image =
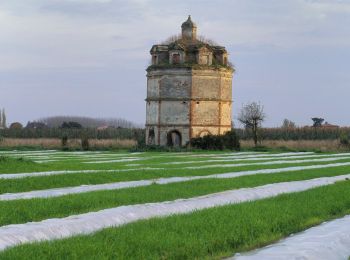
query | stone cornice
(188,99)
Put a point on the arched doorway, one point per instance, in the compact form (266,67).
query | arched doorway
(174,138)
(204,133)
(151,137)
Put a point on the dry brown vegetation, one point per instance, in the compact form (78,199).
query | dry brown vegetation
(322,145)
(55,143)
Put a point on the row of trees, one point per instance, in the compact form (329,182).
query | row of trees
(297,133)
(252,115)
(87,122)
(70,122)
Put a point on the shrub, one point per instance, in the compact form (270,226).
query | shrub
(140,137)
(85,143)
(71,125)
(16,126)
(64,142)
(344,139)
(217,142)
(231,140)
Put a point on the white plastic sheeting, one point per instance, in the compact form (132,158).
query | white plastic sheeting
(49,229)
(241,155)
(269,154)
(28,152)
(268,163)
(327,241)
(114,161)
(260,158)
(189,154)
(73,190)
(130,184)
(46,161)
(81,157)
(64,155)
(33,174)
(86,159)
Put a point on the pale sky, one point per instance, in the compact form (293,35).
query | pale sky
(88,57)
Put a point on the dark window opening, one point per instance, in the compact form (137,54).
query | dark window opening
(154,59)
(176,58)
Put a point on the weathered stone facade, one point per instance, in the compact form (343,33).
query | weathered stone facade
(189,90)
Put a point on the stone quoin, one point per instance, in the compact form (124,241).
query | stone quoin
(189,89)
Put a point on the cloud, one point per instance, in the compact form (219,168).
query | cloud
(270,41)
(85,33)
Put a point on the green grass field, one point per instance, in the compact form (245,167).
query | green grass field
(212,233)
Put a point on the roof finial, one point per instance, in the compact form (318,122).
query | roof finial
(189,22)
(189,29)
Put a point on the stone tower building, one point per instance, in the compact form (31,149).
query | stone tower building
(189,90)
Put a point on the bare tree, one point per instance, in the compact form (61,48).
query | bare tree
(288,124)
(172,39)
(251,116)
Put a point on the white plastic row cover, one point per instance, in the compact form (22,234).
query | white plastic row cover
(49,229)
(130,184)
(32,174)
(327,241)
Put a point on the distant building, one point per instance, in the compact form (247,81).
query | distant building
(189,90)
(102,128)
(329,126)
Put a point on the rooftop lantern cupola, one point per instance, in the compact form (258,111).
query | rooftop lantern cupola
(189,30)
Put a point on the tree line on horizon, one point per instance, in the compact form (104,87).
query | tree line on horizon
(251,116)
(88,122)
(69,122)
